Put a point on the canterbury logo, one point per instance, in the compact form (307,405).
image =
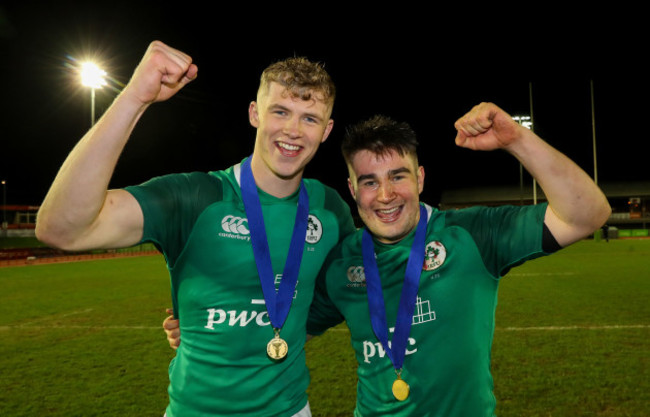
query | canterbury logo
(232,224)
(356,274)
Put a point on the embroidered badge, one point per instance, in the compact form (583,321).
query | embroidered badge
(434,255)
(314,230)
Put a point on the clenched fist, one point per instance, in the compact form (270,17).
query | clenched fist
(486,127)
(162,72)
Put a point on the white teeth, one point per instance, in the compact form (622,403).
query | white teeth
(288,146)
(388,211)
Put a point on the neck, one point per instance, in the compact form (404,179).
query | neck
(394,240)
(269,182)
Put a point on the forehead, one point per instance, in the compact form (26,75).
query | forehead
(365,163)
(276,93)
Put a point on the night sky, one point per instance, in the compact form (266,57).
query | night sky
(427,69)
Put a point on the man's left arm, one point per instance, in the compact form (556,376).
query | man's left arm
(323,313)
(577,207)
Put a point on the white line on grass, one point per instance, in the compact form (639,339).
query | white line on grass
(68,326)
(72,313)
(550,328)
(502,329)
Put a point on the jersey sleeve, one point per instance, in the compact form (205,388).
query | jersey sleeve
(323,314)
(341,210)
(170,205)
(506,236)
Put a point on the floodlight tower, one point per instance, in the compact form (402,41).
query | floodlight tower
(4,206)
(92,76)
(593,130)
(526,122)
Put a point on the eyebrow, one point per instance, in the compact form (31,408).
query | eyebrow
(276,106)
(391,173)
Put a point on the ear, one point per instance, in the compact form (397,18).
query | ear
(328,129)
(352,191)
(253,115)
(420,179)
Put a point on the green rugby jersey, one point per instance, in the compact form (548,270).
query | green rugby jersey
(198,222)
(447,362)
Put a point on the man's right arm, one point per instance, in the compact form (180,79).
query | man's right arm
(79,212)
(576,206)
(172,329)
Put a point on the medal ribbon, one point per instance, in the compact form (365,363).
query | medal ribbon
(397,350)
(278,302)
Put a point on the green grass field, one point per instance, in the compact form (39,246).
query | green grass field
(572,338)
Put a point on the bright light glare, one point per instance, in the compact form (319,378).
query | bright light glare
(524,121)
(92,75)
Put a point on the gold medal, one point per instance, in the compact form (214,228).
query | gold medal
(400,389)
(277,348)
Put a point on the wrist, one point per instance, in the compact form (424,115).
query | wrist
(130,101)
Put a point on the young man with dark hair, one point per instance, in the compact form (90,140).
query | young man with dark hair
(417,287)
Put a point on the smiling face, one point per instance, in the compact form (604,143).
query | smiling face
(289,132)
(386,189)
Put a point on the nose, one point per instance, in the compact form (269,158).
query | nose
(385,192)
(292,128)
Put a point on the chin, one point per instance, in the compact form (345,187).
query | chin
(288,170)
(289,174)
(388,236)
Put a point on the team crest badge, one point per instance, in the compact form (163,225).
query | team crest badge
(434,255)
(314,230)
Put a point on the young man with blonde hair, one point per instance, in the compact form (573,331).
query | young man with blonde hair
(243,246)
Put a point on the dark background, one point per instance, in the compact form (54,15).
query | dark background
(423,67)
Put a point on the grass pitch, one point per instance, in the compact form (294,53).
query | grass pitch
(572,338)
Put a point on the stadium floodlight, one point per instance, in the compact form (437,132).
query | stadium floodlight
(92,76)
(4,205)
(526,122)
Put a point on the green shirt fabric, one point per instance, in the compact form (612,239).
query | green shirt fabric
(198,222)
(447,362)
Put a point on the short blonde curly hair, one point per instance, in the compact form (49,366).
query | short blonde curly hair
(302,78)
